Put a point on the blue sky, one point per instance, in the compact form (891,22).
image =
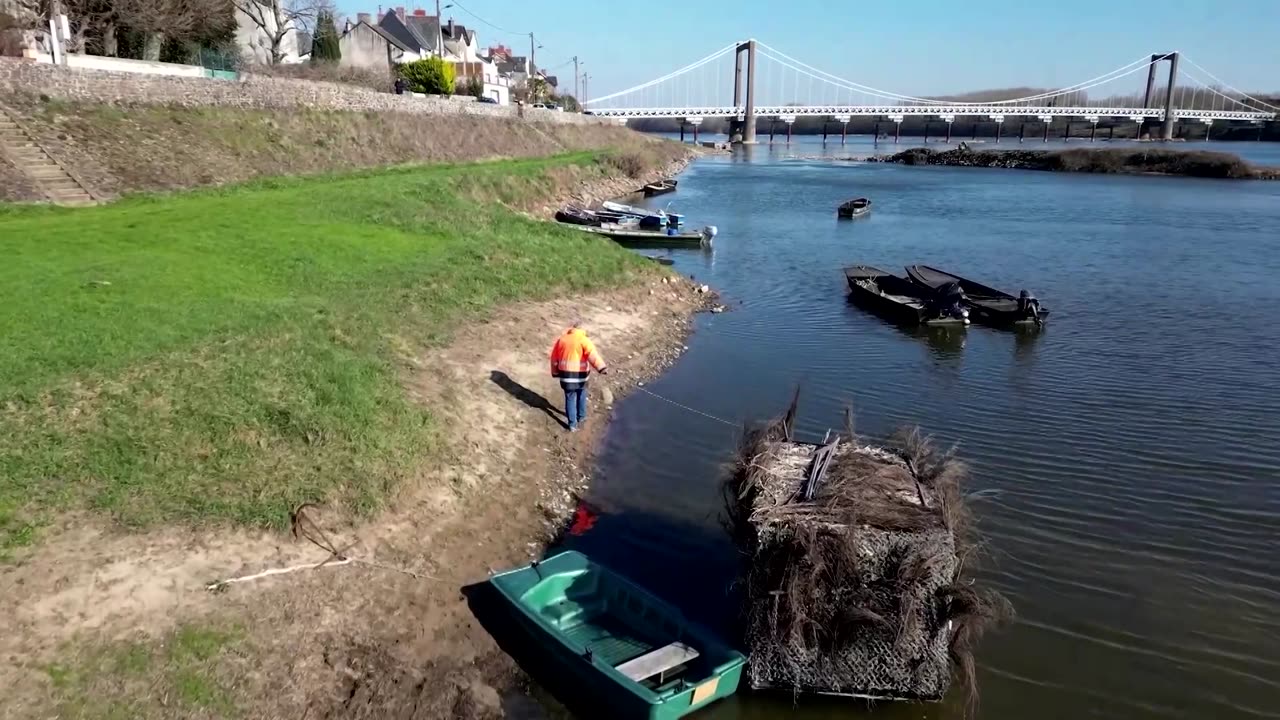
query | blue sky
(920,47)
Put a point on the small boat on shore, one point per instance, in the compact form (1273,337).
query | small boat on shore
(987,305)
(615,642)
(671,238)
(646,215)
(573,215)
(856,207)
(661,187)
(904,301)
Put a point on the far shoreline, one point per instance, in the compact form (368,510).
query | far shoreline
(1110,161)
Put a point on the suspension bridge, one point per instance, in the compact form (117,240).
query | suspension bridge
(780,88)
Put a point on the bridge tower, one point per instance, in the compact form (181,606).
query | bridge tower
(1167,130)
(745,128)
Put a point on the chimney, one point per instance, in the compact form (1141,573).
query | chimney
(400,12)
(450,27)
(419,12)
(362,17)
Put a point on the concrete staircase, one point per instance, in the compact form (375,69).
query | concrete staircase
(44,171)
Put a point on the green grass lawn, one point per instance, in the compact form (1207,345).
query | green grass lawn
(227,354)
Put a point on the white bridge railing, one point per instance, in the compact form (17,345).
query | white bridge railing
(945,112)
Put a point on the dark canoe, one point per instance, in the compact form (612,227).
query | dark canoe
(856,207)
(986,304)
(659,188)
(899,299)
(576,216)
(630,237)
(630,653)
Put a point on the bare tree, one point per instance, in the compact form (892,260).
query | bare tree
(277,18)
(159,20)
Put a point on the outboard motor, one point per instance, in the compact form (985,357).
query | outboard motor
(948,301)
(1028,306)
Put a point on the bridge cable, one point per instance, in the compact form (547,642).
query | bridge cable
(992,105)
(1241,93)
(781,57)
(668,76)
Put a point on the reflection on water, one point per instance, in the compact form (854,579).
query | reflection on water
(1130,447)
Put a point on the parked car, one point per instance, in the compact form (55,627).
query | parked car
(487,99)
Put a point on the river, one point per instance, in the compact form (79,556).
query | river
(1132,447)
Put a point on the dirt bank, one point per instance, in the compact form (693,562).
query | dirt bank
(352,640)
(148,148)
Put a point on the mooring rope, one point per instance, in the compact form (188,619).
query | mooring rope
(306,528)
(647,391)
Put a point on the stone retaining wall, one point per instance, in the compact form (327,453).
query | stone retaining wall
(250,92)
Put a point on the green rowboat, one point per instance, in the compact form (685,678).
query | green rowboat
(634,653)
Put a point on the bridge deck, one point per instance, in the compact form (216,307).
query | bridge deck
(895,112)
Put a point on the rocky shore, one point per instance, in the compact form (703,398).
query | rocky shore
(1131,161)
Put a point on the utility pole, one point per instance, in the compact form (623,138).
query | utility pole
(439,33)
(575,81)
(532,65)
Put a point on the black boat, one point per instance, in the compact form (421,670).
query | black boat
(856,207)
(573,215)
(659,188)
(986,304)
(901,300)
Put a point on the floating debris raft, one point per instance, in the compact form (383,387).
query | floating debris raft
(855,581)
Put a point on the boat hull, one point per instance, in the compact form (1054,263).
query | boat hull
(654,240)
(894,298)
(986,305)
(548,602)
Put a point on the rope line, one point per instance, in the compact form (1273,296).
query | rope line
(685,407)
(306,528)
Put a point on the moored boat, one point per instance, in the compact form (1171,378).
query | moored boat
(648,217)
(986,304)
(631,652)
(661,187)
(856,207)
(631,237)
(573,215)
(901,300)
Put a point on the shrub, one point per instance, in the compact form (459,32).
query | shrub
(433,76)
(474,86)
(632,164)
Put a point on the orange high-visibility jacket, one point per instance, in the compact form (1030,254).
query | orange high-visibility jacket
(573,356)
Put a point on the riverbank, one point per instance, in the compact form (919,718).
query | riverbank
(205,363)
(1130,161)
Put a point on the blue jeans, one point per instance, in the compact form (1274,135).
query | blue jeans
(575,404)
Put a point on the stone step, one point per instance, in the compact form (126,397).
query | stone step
(27,151)
(59,182)
(68,195)
(47,174)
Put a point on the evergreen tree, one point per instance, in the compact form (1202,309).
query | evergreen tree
(325,48)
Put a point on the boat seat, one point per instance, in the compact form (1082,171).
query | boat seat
(657,662)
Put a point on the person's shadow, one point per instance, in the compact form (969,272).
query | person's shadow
(527,396)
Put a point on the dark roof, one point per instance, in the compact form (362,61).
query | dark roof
(515,64)
(385,35)
(416,33)
(426,28)
(460,32)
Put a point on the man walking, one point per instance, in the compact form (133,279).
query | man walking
(572,358)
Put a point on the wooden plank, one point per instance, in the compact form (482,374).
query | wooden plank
(658,661)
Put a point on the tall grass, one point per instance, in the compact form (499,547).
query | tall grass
(226,354)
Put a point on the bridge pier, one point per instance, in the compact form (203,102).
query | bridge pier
(999,121)
(1022,131)
(1066,134)
(1047,120)
(844,127)
(926,131)
(950,121)
(1169,118)
(744,128)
